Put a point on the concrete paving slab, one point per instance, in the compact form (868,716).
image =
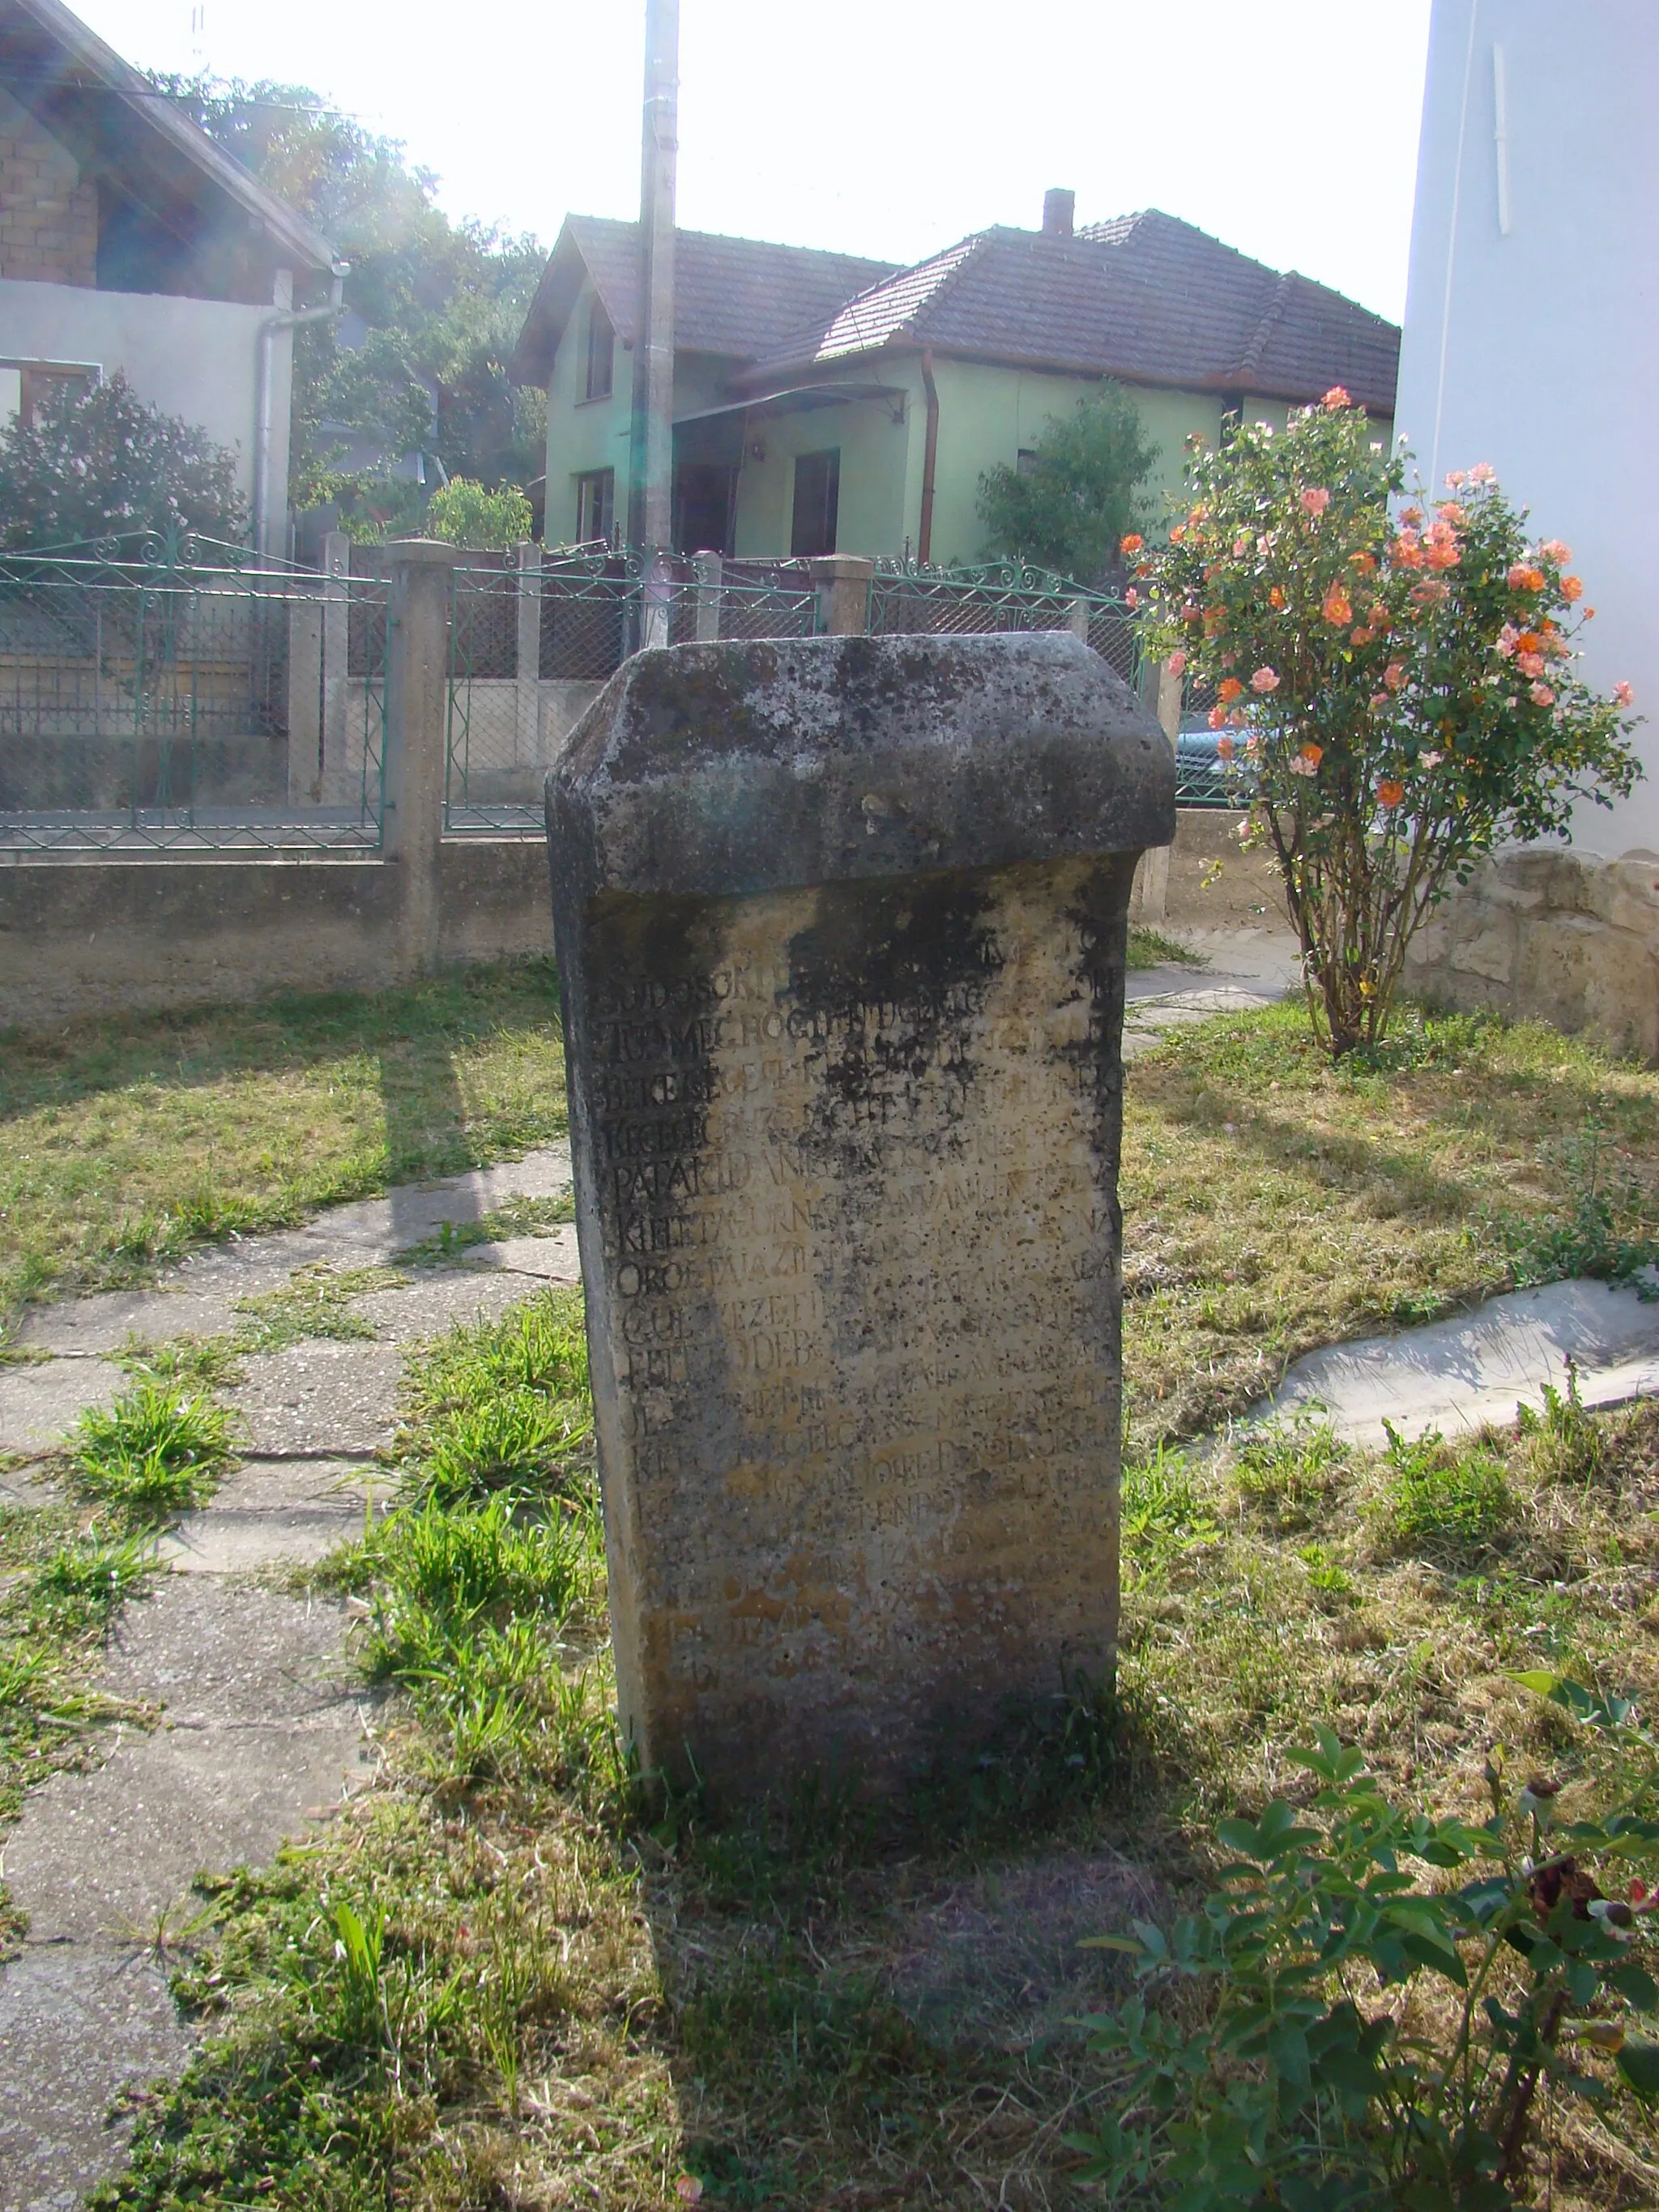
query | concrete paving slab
(263,1718)
(39,1404)
(28,1490)
(78,2025)
(1149,1017)
(1455,1376)
(552,1259)
(222,1658)
(220,1542)
(436,1299)
(104,1857)
(276,1486)
(103,1324)
(318,1398)
(374,1230)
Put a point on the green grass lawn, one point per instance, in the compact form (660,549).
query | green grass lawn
(1272,1203)
(514,1974)
(125,1141)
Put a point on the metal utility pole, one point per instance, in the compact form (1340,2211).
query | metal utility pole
(651,454)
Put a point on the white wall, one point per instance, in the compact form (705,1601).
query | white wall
(1533,347)
(195,358)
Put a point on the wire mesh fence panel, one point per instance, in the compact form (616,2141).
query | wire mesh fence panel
(1115,634)
(777,608)
(159,705)
(908,597)
(498,750)
(589,612)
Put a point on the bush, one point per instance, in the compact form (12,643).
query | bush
(466,513)
(1370,2038)
(1080,491)
(101,463)
(1404,689)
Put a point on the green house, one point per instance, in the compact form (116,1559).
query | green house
(824,403)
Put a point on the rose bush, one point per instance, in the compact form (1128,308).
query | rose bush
(1401,678)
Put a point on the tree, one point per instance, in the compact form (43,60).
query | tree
(465,513)
(1078,494)
(439,304)
(1402,685)
(101,463)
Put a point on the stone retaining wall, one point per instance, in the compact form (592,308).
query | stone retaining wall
(1551,935)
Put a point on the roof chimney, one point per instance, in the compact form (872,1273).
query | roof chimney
(1058,210)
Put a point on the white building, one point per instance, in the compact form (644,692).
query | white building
(129,240)
(1531,315)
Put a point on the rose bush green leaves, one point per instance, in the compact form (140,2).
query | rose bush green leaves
(1398,679)
(1382,1995)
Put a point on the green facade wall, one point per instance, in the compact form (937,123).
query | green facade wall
(986,415)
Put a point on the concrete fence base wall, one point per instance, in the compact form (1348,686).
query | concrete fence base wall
(1551,935)
(102,937)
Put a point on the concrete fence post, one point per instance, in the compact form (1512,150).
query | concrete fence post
(707,568)
(1150,904)
(842,581)
(527,663)
(337,769)
(305,701)
(1077,619)
(417,734)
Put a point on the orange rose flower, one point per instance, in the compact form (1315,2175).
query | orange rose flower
(1275,597)
(1130,541)
(1572,587)
(1337,609)
(1390,793)
(1229,689)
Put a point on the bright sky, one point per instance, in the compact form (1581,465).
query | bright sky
(883,127)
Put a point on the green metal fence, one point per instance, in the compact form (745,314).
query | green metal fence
(153,700)
(532,640)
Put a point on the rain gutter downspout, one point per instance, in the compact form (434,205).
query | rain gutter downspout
(284,320)
(929,457)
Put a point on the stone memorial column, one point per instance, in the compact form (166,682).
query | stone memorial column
(840,928)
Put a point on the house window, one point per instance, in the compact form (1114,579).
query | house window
(817,495)
(596,505)
(29,388)
(601,353)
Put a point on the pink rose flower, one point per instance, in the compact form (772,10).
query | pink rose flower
(1316,500)
(1541,696)
(1224,749)
(1264,679)
(1483,472)
(1554,549)
(1395,675)
(1176,663)
(1623,695)
(1431,760)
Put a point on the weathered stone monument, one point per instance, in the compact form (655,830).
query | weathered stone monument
(841,925)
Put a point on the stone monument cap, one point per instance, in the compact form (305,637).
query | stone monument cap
(737,768)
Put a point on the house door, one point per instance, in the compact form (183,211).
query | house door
(702,506)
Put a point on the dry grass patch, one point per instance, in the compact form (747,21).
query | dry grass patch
(1273,1204)
(126,1141)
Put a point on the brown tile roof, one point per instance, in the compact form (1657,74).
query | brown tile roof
(737,296)
(1146,297)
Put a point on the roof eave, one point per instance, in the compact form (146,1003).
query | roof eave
(286,229)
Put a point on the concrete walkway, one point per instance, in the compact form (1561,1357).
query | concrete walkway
(264,1729)
(1244,968)
(1454,1376)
